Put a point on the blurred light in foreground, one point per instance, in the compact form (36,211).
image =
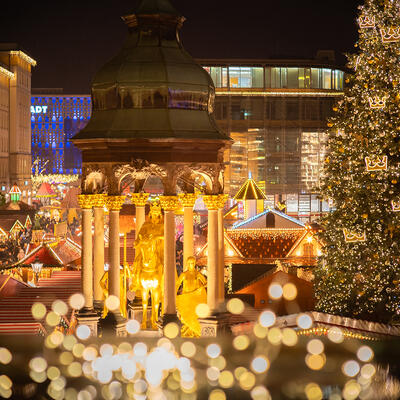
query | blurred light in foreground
(267,319)
(213,373)
(235,306)
(77,301)
(226,379)
(275,336)
(260,393)
(59,307)
(38,310)
(241,342)
(202,310)
(313,392)
(275,291)
(247,380)
(289,337)
(351,390)
(304,321)
(38,364)
(188,349)
(217,394)
(315,361)
(335,335)
(368,371)
(132,327)
(351,368)
(289,291)
(213,350)
(315,346)
(112,303)
(260,365)
(171,330)
(83,332)
(365,354)
(5,356)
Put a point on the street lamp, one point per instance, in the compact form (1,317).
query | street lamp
(37,268)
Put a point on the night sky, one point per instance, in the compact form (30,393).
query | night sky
(72,39)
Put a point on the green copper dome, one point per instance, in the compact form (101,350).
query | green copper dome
(152,89)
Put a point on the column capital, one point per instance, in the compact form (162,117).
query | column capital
(222,200)
(99,200)
(188,199)
(86,201)
(169,203)
(140,199)
(114,203)
(212,202)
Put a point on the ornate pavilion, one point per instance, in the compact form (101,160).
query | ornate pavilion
(152,117)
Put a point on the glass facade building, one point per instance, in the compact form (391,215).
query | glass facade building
(55,119)
(276,113)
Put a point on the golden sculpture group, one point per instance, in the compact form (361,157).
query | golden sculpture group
(146,278)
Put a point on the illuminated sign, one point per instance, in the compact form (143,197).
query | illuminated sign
(39,109)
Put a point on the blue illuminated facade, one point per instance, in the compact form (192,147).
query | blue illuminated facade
(55,119)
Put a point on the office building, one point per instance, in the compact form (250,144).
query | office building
(276,112)
(55,118)
(15,129)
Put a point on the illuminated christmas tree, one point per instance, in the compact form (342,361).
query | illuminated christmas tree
(359,272)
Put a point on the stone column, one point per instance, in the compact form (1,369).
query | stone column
(87,315)
(98,251)
(187,200)
(114,320)
(212,203)
(170,204)
(221,248)
(140,200)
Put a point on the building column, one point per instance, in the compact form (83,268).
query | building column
(114,320)
(87,315)
(221,248)
(170,204)
(212,204)
(188,200)
(140,201)
(98,251)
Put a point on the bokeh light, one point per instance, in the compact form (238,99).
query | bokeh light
(365,353)
(132,326)
(235,306)
(5,356)
(315,361)
(188,349)
(260,393)
(351,368)
(260,364)
(83,332)
(289,337)
(213,350)
(351,390)
(335,335)
(241,342)
(304,321)
(315,346)
(171,330)
(313,392)
(76,301)
(38,311)
(267,319)
(202,310)
(112,303)
(275,291)
(217,394)
(59,307)
(226,379)
(289,291)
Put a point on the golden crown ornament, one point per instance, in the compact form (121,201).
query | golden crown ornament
(377,102)
(378,163)
(395,205)
(354,237)
(366,21)
(390,35)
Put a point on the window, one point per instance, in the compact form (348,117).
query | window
(293,78)
(326,79)
(275,78)
(315,78)
(292,110)
(246,77)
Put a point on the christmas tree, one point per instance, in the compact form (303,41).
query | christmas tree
(359,272)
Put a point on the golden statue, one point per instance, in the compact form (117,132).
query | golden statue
(148,267)
(193,293)
(125,283)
